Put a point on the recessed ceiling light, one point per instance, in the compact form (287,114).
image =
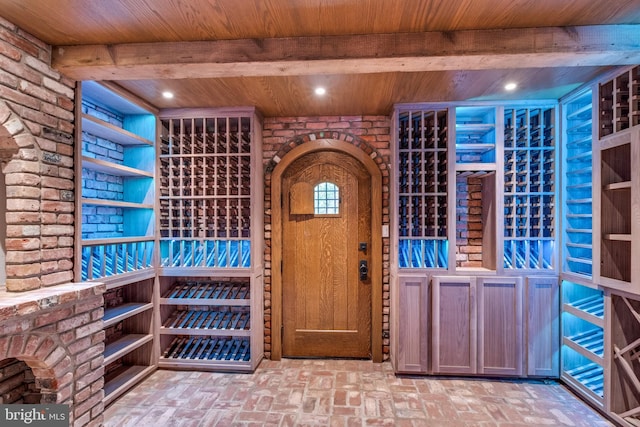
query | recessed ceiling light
(510,86)
(320,91)
(167,94)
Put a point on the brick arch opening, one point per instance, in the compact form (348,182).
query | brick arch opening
(47,360)
(360,148)
(20,189)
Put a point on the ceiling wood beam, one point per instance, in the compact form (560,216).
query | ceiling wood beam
(373,53)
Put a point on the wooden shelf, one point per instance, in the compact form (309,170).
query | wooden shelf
(123,379)
(211,322)
(474,129)
(590,309)
(202,349)
(124,345)
(474,147)
(588,343)
(113,168)
(582,113)
(116,203)
(590,378)
(618,237)
(625,185)
(117,314)
(105,130)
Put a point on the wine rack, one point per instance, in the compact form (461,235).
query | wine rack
(583,341)
(578,174)
(205,192)
(619,106)
(217,349)
(625,366)
(422,192)
(529,188)
(206,323)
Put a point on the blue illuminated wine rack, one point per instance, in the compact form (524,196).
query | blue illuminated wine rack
(577,170)
(529,188)
(422,189)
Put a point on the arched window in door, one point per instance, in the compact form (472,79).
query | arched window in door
(326,199)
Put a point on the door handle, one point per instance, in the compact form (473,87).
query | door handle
(363,269)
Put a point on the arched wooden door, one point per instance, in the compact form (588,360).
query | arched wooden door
(326,257)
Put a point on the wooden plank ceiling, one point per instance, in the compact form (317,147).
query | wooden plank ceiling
(369,54)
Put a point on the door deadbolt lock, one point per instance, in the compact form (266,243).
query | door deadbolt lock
(363,269)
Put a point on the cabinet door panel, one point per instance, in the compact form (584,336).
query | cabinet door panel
(413,325)
(500,345)
(543,326)
(454,325)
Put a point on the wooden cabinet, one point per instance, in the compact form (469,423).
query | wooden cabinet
(543,326)
(500,326)
(477,325)
(115,172)
(454,325)
(412,354)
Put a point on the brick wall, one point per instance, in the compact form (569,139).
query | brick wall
(468,222)
(57,332)
(372,134)
(99,222)
(36,149)
(17,383)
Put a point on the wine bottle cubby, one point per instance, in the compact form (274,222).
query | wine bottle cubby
(422,192)
(205,192)
(529,188)
(619,98)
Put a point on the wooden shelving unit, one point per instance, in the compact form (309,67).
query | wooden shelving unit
(475,135)
(423,191)
(616,219)
(583,341)
(115,146)
(578,175)
(206,323)
(476,147)
(210,194)
(529,188)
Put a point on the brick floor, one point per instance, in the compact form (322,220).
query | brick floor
(343,393)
